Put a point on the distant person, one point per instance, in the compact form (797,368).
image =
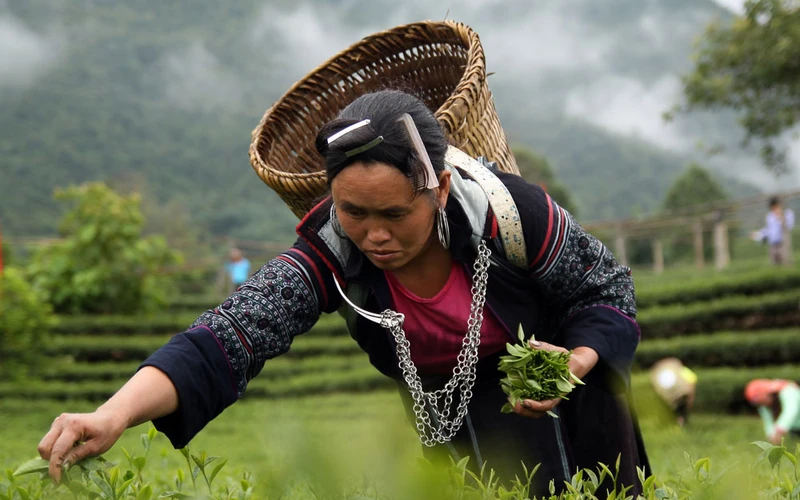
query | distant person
(238,268)
(675,384)
(778,403)
(777,232)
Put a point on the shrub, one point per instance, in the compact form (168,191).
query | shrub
(103,264)
(25,321)
(96,478)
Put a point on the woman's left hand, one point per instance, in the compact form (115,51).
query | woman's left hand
(580,363)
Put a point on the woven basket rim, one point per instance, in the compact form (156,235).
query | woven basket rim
(475,60)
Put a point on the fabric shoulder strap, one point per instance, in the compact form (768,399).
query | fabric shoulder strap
(503,206)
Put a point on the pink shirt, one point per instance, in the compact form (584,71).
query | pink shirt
(436,327)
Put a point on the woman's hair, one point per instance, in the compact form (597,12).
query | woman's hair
(383,109)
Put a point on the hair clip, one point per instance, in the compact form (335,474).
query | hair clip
(371,144)
(428,174)
(347,130)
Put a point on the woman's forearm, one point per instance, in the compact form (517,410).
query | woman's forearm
(149,394)
(582,361)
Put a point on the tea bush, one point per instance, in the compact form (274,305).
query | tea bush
(25,321)
(772,475)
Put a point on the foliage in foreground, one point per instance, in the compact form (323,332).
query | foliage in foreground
(773,475)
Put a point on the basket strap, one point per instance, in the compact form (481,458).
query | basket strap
(500,200)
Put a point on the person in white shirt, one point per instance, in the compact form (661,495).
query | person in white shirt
(777,232)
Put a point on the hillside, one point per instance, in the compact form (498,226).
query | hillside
(161,96)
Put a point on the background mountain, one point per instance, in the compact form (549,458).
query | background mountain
(161,97)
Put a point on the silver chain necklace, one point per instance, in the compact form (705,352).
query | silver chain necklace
(441,428)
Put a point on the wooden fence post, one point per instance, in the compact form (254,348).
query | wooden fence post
(699,260)
(722,254)
(619,250)
(786,245)
(658,256)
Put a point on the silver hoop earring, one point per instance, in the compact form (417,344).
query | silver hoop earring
(443,227)
(335,224)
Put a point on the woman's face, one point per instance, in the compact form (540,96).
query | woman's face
(379,212)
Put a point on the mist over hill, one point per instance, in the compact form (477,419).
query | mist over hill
(161,97)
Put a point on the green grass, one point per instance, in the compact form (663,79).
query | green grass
(340,441)
(301,437)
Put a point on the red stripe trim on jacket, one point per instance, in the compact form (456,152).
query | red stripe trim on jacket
(549,231)
(317,273)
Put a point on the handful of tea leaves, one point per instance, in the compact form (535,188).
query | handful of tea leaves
(535,374)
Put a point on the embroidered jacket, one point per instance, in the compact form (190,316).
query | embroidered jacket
(573,293)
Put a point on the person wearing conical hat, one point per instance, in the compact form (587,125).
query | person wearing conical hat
(778,403)
(675,384)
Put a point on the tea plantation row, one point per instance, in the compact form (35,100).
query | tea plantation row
(728,327)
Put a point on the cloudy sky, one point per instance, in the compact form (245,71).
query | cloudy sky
(26,54)
(615,64)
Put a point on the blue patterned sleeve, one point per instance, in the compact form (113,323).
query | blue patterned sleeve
(592,293)
(575,268)
(211,363)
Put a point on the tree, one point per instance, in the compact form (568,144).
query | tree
(752,66)
(694,187)
(535,169)
(103,264)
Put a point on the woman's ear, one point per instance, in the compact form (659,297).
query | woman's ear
(444,188)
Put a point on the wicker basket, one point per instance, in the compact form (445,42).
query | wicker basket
(442,62)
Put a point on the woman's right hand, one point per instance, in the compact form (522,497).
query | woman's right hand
(75,436)
(149,394)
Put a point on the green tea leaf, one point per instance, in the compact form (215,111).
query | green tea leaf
(146,493)
(91,464)
(103,485)
(216,470)
(775,455)
(762,444)
(33,465)
(123,487)
(174,494)
(533,384)
(563,386)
